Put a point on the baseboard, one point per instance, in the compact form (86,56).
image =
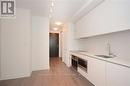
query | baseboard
(40,68)
(8,77)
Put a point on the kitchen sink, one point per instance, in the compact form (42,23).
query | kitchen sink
(104,56)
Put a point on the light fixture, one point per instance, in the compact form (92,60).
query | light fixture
(58,23)
(55,28)
(52,0)
(52,4)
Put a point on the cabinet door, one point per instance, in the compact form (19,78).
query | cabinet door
(110,16)
(117,75)
(81,31)
(96,72)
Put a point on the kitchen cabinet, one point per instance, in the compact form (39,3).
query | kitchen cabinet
(102,73)
(117,75)
(110,16)
(82,71)
(105,72)
(96,72)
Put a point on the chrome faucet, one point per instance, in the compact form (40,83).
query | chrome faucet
(109,50)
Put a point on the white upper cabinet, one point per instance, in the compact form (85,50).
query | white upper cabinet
(110,16)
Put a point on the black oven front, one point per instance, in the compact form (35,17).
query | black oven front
(82,64)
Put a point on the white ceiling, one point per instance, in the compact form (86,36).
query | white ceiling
(63,10)
(38,7)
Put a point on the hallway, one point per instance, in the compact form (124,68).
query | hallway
(58,75)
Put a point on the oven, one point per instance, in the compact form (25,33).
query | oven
(83,64)
(74,62)
(77,62)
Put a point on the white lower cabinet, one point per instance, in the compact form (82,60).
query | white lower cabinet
(117,75)
(102,73)
(96,72)
(83,73)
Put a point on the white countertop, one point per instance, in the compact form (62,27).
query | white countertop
(115,60)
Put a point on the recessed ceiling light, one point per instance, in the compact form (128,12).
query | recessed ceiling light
(58,23)
(55,29)
(52,4)
(52,0)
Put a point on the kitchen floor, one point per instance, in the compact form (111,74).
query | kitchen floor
(58,75)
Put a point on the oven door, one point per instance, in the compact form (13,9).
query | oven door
(82,64)
(74,62)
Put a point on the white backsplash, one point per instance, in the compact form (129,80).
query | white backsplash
(119,41)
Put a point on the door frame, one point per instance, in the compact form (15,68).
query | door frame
(60,42)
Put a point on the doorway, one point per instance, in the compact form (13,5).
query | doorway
(54,45)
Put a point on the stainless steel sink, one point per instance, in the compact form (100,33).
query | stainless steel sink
(104,56)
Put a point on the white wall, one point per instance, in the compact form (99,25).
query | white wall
(68,42)
(40,43)
(15,45)
(0,50)
(120,44)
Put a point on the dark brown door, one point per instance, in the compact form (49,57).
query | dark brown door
(54,45)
